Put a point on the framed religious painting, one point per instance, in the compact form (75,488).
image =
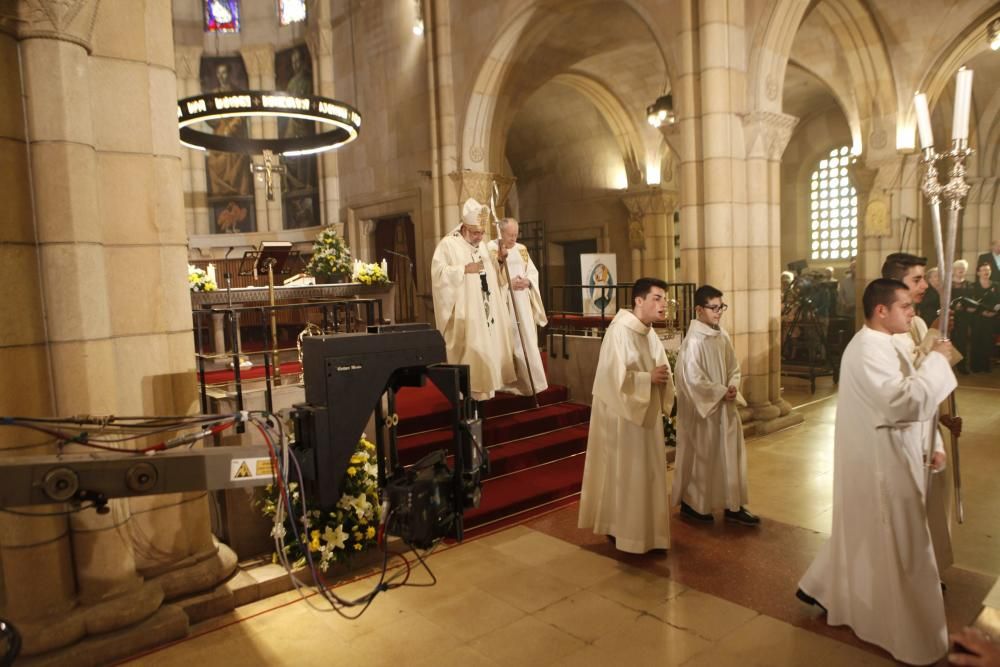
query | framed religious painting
(229,186)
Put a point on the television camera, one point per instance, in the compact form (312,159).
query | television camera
(347,376)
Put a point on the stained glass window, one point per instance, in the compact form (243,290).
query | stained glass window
(834,207)
(291,11)
(222,15)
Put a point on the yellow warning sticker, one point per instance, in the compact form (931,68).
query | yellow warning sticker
(242,470)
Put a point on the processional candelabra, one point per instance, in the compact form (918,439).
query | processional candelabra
(953,193)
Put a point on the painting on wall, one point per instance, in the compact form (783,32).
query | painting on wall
(230,182)
(300,188)
(599,274)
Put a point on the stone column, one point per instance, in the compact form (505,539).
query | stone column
(320,42)
(444,134)
(259,62)
(187,60)
(868,265)
(109,232)
(767,134)
(651,231)
(976,237)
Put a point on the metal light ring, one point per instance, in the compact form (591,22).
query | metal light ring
(345,120)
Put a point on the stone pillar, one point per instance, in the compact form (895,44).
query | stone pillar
(651,231)
(109,234)
(868,265)
(320,42)
(981,234)
(187,60)
(767,134)
(444,137)
(259,62)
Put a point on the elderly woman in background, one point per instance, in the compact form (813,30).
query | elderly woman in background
(961,320)
(983,319)
(931,304)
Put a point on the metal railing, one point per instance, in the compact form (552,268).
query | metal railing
(567,319)
(335,315)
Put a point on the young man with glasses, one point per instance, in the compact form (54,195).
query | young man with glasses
(711,466)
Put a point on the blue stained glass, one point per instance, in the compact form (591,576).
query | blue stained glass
(222,15)
(291,11)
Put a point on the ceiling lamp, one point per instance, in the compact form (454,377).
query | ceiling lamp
(661,112)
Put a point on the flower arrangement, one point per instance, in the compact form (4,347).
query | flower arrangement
(336,535)
(370,274)
(331,256)
(201,280)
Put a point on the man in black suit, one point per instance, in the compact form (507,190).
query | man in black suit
(993,259)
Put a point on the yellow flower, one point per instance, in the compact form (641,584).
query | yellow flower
(358,458)
(356,536)
(352,471)
(357,547)
(368,445)
(370,533)
(314,544)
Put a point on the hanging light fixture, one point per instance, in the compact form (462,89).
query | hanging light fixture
(993,34)
(661,112)
(418,21)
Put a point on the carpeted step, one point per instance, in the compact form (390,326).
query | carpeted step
(425,408)
(526,490)
(504,428)
(511,457)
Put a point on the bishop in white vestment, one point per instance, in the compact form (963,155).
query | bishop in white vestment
(711,467)
(877,573)
(524,300)
(624,493)
(468,309)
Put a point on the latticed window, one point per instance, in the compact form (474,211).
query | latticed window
(834,208)
(222,16)
(291,11)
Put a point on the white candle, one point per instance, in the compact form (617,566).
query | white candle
(963,98)
(211,272)
(923,121)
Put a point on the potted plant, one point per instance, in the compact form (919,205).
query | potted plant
(331,259)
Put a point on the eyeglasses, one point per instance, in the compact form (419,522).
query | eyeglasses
(718,308)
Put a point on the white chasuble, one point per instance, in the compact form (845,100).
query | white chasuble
(711,466)
(624,490)
(941,491)
(877,572)
(474,322)
(527,314)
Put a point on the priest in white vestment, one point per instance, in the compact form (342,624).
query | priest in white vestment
(910,270)
(468,308)
(624,494)
(524,300)
(711,466)
(877,573)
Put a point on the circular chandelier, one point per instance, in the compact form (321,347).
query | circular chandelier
(341,121)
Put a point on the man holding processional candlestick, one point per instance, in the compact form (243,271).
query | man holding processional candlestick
(468,307)
(527,312)
(954,191)
(918,342)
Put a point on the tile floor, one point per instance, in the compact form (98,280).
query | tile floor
(545,593)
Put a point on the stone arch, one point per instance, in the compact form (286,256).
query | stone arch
(487,113)
(940,76)
(617,117)
(864,50)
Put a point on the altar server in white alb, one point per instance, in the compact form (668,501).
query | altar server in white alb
(624,494)
(909,270)
(877,573)
(468,308)
(527,313)
(711,464)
